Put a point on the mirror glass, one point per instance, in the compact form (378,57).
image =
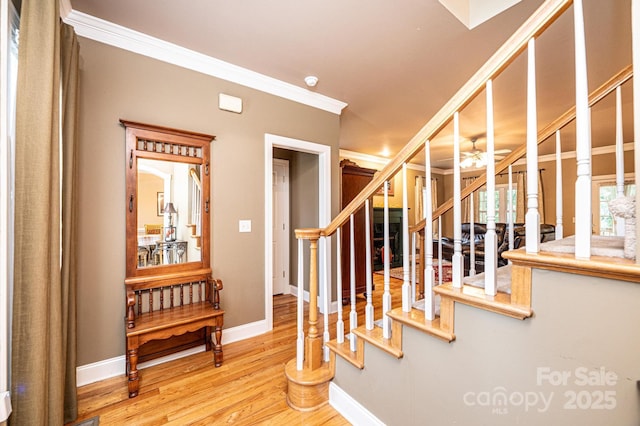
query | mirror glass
(168,213)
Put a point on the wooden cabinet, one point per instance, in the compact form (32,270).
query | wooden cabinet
(395,238)
(353,180)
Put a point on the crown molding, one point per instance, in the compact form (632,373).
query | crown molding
(353,155)
(124,38)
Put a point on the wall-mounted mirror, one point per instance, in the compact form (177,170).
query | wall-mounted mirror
(167,173)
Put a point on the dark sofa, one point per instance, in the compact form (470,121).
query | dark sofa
(547,233)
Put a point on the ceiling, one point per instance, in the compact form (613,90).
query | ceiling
(394,64)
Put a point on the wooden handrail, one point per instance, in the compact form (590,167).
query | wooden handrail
(596,96)
(546,14)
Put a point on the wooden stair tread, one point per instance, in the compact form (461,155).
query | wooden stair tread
(344,350)
(475,296)
(376,339)
(598,266)
(415,318)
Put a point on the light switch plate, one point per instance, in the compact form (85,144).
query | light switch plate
(244,226)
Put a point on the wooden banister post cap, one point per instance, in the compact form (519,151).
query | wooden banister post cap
(308,233)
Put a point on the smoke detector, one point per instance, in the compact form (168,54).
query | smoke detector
(311,80)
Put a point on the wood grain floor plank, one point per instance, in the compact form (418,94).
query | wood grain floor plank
(248,389)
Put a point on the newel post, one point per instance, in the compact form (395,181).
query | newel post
(308,379)
(313,341)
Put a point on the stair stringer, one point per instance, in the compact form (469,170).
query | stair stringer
(516,305)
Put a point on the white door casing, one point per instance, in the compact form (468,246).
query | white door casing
(324,214)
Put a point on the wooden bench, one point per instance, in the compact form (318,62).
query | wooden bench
(167,306)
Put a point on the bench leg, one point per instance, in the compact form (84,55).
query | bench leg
(217,349)
(134,384)
(207,333)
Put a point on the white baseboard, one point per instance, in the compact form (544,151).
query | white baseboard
(349,408)
(100,370)
(244,331)
(112,367)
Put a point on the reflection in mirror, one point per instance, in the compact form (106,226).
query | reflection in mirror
(169,212)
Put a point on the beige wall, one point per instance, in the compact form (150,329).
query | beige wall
(118,84)
(148,199)
(581,324)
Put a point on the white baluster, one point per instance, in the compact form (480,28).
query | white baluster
(472,236)
(439,250)
(457,260)
(511,209)
(414,252)
(619,159)
(340,321)
(583,141)
(353,314)
(368,310)
(559,225)
(406,289)
(429,301)
(635,31)
(300,340)
(490,239)
(386,296)
(325,242)
(532,217)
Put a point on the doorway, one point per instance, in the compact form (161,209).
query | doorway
(280,226)
(323,153)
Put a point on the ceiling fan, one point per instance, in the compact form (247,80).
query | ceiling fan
(478,158)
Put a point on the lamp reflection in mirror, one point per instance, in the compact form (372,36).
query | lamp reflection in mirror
(170,231)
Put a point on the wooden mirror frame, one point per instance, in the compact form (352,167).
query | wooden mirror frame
(166,144)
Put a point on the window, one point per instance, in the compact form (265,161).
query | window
(502,204)
(605,191)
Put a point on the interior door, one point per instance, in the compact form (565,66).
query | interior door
(280,225)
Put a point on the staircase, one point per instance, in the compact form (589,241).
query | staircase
(564,288)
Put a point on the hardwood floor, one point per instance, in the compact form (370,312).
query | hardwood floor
(248,389)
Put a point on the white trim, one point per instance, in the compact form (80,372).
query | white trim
(349,408)
(324,210)
(244,331)
(9,20)
(353,155)
(124,38)
(112,367)
(101,370)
